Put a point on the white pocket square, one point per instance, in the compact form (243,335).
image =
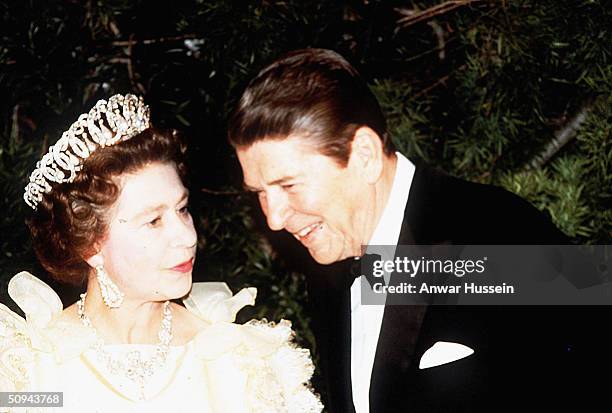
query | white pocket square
(443,352)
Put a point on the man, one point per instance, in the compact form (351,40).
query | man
(313,145)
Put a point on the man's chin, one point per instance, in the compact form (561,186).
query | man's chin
(324,258)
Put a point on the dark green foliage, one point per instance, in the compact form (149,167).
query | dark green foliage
(513,77)
(479,90)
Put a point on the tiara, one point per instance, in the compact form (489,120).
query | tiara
(107,123)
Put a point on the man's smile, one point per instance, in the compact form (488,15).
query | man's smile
(307,233)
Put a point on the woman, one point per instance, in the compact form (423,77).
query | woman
(110,210)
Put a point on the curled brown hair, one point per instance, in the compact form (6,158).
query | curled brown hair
(72,217)
(312,92)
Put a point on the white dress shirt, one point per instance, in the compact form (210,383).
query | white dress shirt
(366,320)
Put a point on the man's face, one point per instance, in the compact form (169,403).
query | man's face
(308,194)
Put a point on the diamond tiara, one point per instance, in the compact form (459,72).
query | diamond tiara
(107,123)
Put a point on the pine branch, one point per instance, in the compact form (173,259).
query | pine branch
(15,126)
(561,138)
(412,17)
(130,67)
(439,33)
(131,42)
(222,193)
(437,83)
(129,63)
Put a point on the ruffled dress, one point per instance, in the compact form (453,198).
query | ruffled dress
(227,367)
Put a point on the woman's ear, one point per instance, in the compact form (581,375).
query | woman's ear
(96,259)
(367,154)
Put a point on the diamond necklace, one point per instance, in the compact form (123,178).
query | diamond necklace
(135,367)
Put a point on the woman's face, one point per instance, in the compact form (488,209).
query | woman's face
(151,242)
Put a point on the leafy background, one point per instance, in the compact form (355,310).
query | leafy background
(512,93)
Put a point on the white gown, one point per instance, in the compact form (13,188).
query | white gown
(226,368)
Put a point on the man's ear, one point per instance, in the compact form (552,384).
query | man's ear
(367,154)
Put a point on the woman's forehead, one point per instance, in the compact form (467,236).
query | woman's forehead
(149,187)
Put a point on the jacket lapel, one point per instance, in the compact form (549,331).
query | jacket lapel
(396,358)
(341,354)
(396,353)
(331,309)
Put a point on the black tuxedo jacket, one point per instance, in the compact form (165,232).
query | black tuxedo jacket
(525,357)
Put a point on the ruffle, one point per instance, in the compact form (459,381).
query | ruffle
(272,371)
(214,301)
(285,372)
(255,367)
(16,355)
(35,298)
(21,338)
(261,367)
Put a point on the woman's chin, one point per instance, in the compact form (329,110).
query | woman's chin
(184,287)
(178,289)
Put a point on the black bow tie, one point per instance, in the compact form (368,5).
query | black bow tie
(365,266)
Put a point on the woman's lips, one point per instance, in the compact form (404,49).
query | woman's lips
(184,267)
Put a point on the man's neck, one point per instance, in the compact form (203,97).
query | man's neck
(382,192)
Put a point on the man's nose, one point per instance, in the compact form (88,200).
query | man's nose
(277,211)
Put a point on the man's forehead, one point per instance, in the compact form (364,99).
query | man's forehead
(273,144)
(270,160)
(275,152)
(266,164)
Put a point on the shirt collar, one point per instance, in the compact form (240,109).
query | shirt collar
(389,226)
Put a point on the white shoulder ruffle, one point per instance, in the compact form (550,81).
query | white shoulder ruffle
(286,371)
(214,301)
(20,338)
(251,368)
(256,367)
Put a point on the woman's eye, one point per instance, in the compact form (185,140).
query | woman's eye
(184,210)
(154,222)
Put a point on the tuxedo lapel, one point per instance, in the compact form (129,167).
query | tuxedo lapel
(330,297)
(419,224)
(396,352)
(395,358)
(340,353)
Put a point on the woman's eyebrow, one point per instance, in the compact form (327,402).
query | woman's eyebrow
(153,209)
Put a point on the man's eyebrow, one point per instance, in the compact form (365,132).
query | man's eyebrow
(184,196)
(278,181)
(249,188)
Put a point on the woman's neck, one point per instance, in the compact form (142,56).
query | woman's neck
(134,322)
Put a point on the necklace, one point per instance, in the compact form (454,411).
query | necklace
(134,367)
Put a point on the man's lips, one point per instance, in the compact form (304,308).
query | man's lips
(305,234)
(184,267)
